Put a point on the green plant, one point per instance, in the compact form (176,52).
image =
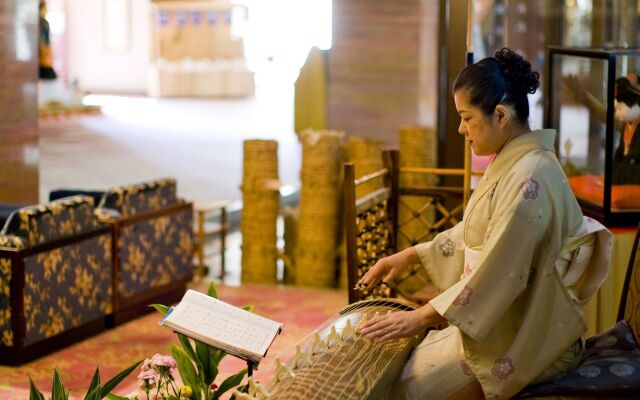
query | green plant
(198,363)
(96,390)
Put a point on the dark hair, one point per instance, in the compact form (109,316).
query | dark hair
(505,78)
(626,92)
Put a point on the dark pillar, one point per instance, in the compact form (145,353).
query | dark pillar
(18,101)
(452,58)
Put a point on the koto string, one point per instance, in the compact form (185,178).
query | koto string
(324,325)
(341,359)
(335,366)
(368,308)
(355,373)
(385,345)
(330,361)
(384,348)
(349,362)
(404,340)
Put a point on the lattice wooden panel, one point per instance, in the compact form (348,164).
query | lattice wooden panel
(374,240)
(422,214)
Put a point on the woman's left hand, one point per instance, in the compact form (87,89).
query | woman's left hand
(394,325)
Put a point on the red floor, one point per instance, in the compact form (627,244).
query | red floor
(300,309)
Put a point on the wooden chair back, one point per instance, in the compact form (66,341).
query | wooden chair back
(629,308)
(372,227)
(370,223)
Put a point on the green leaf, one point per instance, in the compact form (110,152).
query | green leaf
(202,350)
(229,383)
(113,382)
(57,392)
(94,394)
(186,346)
(187,371)
(217,356)
(214,372)
(34,393)
(212,292)
(249,307)
(111,396)
(160,308)
(94,387)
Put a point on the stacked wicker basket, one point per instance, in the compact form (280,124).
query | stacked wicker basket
(319,214)
(366,155)
(261,204)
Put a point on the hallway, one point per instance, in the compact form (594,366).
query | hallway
(196,141)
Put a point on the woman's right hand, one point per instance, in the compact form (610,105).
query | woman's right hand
(387,268)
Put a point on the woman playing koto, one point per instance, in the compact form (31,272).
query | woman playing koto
(514,275)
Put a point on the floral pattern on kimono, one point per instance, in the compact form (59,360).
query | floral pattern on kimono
(509,307)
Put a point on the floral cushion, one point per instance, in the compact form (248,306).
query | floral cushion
(139,198)
(611,367)
(12,242)
(51,221)
(104,214)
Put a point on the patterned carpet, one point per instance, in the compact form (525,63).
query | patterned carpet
(300,309)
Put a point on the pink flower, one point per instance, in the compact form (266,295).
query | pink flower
(149,374)
(146,365)
(162,364)
(148,379)
(163,361)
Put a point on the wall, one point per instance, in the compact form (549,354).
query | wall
(18,101)
(96,68)
(382,66)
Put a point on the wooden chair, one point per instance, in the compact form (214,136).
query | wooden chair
(371,222)
(206,230)
(611,367)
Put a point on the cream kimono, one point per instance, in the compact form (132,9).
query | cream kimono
(510,275)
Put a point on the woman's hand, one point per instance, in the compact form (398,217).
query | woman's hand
(401,324)
(386,269)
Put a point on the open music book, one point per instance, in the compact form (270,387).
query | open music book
(222,325)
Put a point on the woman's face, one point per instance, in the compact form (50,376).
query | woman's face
(484,133)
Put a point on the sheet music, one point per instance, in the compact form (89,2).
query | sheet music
(223,322)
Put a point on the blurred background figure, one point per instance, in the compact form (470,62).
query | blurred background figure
(44,45)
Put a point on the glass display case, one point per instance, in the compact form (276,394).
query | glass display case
(593,102)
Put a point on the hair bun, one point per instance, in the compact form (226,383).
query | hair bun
(517,71)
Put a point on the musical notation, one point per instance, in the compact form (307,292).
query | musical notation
(199,315)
